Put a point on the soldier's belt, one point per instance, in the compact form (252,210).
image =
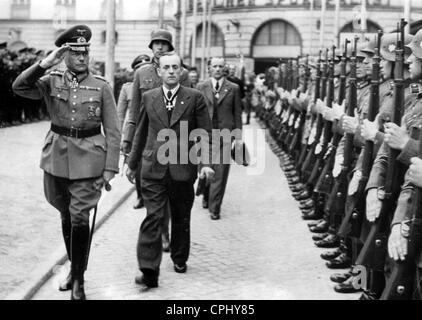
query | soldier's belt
(75,132)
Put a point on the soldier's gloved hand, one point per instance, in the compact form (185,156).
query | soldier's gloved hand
(319,106)
(373,205)
(396,137)
(350,124)
(369,129)
(354,183)
(55,57)
(397,244)
(338,110)
(126,146)
(131,175)
(328,114)
(414,173)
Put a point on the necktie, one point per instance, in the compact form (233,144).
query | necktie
(217,86)
(169,95)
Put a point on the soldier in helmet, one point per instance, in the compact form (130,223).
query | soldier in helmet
(76,158)
(145,79)
(125,97)
(405,139)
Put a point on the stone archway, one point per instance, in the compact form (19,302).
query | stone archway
(274,40)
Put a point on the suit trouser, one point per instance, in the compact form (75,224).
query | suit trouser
(157,194)
(214,192)
(139,194)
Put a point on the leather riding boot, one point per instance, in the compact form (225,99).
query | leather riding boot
(79,249)
(66,284)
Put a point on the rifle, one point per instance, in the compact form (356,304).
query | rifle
(300,119)
(307,166)
(375,247)
(352,221)
(326,137)
(325,181)
(317,84)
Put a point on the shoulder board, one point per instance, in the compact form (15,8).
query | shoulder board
(100,78)
(57,73)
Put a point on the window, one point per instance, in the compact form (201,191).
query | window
(21,9)
(371,27)
(104,37)
(277,33)
(217,37)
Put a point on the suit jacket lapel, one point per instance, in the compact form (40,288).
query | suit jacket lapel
(180,107)
(223,91)
(160,109)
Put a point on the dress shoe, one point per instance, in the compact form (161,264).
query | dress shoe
(346,286)
(320,228)
(215,216)
(294,180)
(306,204)
(311,216)
(340,262)
(299,187)
(291,175)
(180,268)
(314,223)
(330,255)
(319,236)
(303,195)
(340,277)
(288,167)
(66,284)
(78,292)
(204,204)
(149,282)
(139,204)
(331,241)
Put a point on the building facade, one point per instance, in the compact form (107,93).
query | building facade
(36,23)
(262,31)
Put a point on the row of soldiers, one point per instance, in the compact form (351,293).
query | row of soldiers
(346,126)
(14,109)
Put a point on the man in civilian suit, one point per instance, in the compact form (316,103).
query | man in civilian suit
(225,109)
(172,108)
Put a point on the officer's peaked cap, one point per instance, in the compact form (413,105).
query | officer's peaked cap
(77,37)
(163,35)
(139,59)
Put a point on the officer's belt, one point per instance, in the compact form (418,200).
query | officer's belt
(75,132)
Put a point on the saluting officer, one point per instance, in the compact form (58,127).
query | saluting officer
(77,159)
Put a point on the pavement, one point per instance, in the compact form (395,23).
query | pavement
(260,249)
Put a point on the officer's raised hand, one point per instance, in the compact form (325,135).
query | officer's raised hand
(397,244)
(396,137)
(373,205)
(55,57)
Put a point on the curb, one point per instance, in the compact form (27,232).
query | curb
(44,272)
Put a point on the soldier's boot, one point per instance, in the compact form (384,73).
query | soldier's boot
(66,284)
(320,227)
(79,249)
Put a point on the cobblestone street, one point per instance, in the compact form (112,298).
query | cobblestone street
(260,249)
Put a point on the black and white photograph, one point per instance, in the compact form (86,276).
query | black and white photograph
(223,152)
